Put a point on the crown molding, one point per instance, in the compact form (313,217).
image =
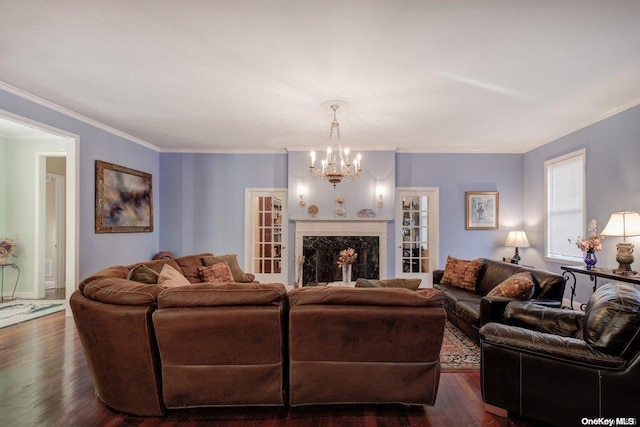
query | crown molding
(55,107)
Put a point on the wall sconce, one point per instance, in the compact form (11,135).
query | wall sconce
(380,202)
(302,203)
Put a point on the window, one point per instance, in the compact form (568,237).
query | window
(565,205)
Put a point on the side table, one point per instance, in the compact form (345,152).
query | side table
(594,274)
(15,286)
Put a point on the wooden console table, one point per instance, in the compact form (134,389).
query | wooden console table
(594,274)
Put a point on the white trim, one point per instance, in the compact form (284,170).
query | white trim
(55,107)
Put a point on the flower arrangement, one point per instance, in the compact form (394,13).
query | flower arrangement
(594,241)
(347,256)
(7,247)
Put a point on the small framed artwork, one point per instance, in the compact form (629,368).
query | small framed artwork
(124,199)
(482,210)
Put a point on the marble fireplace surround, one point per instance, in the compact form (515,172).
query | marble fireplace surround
(376,227)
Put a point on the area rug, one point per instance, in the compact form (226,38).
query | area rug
(20,311)
(459,353)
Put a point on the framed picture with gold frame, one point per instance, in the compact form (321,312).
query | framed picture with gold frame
(124,199)
(482,210)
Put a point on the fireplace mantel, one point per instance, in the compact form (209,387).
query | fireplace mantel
(328,226)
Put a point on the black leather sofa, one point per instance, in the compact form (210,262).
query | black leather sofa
(563,366)
(469,310)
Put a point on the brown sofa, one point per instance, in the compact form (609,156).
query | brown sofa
(470,309)
(150,348)
(357,345)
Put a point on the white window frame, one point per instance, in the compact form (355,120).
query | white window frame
(548,238)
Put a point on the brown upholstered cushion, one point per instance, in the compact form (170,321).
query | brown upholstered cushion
(336,295)
(171,278)
(519,286)
(189,265)
(461,273)
(411,284)
(219,294)
(232,260)
(143,274)
(121,292)
(217,273)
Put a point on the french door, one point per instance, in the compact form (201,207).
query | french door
(266,230)
(417,233)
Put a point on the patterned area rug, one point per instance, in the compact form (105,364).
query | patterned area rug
(458,352)
(20,311)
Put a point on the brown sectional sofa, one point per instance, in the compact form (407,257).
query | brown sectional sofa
(469,310)
(355,345)
(151,349)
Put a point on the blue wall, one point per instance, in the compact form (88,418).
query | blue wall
(455,174)
(613,184)
(96,251)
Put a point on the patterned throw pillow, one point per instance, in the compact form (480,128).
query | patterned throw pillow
(171,278)
(217,273)
(143,274)
(519,286)
(232,259)
(461,273)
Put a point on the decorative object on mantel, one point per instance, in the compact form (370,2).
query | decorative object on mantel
(313,210)
(623,224)
(336,168)
(366,213)
(516,239)
(591,244)
(340,210)
(7,249)
(345,260)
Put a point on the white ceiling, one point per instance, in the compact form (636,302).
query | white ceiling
(419,76)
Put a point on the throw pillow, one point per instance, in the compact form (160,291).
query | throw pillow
(171,278)
(461,273)
(232,260)
(519,286)
(143,274)
(411,284)
(217,273)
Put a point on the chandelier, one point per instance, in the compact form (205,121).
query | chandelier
(336,167)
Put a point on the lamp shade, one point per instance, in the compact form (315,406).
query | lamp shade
(517,239)
(623,224)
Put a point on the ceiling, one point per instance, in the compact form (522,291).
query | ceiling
(253,76)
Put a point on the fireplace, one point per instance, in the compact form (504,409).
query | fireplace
(321,240)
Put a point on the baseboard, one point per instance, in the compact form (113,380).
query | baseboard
(503,413)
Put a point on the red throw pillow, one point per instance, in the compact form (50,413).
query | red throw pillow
(461,273)
(217,273)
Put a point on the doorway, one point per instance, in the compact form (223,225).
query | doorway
(54,253)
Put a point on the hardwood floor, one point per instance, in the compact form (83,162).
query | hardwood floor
(44,381)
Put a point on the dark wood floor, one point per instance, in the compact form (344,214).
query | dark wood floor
(44,381)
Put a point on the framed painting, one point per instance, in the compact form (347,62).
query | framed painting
(124,199)
(482,210)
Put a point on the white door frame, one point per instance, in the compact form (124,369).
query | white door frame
(433,238)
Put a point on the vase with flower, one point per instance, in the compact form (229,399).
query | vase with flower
(345,260)
(7,249)
(590,244)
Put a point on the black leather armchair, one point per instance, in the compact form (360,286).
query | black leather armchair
(560,366)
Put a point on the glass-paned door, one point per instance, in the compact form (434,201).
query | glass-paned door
(417,233)
(266,227)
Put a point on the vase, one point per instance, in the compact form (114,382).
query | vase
(346,274)
(590,260)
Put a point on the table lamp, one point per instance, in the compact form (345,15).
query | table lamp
(623,224)
(516,239)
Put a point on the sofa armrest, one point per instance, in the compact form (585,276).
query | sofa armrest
(437,276)
(571,350)
(529,315)
(492,309)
